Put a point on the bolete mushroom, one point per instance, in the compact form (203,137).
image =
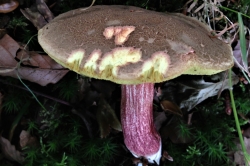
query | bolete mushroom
(136,48)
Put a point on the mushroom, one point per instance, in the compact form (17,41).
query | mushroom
(136,48)
(8,6)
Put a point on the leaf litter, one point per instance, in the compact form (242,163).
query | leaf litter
(29,65)
(9,151)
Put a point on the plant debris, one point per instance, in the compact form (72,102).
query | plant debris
(28,65)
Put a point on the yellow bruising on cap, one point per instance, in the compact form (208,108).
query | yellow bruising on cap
(75,59)
(155,68)
(121,33)
(108,32)
(91,63)
(112,61)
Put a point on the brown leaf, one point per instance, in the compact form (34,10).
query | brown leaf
(159,119)
(171,107)
(188,91)
(136,161)
(8,6)
(144,162)
(9,151)
(44,70)
(27,140)
(8,49)
(39,14)
(39,76)
(106,118)
(237,54)
(239,158)
(37,60)
(140,161)
(165,156)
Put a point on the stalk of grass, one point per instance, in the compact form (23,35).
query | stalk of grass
(22,111)
(245,75)
(245,66)
(233,11)
(246,155)
(18,66)
(31,92)
(243,47)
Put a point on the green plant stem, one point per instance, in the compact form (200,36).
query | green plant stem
(248,80)
(246,155)
(234,11)
(31,92)
(243,47)
(17,119)
(38,93)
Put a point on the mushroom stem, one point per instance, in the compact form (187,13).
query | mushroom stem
(140,134)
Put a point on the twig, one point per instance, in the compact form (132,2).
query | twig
(38,93)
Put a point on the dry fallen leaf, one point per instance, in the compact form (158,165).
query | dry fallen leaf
(8,49)
(171,107)
(165,156)
(187,92)
(9,151)
(8,6)
(106,118)
(238,56)
(159,119)
(39,14)
(239,158)
(37,68)
(37,60)
(27,140)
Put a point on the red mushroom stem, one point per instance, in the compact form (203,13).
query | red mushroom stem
(140,134)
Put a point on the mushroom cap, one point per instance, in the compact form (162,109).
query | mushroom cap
(130,45)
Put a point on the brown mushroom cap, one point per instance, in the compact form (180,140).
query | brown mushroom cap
(130,45)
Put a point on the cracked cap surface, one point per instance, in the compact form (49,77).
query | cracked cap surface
(130,45)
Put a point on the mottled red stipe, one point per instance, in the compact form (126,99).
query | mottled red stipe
(140,135)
